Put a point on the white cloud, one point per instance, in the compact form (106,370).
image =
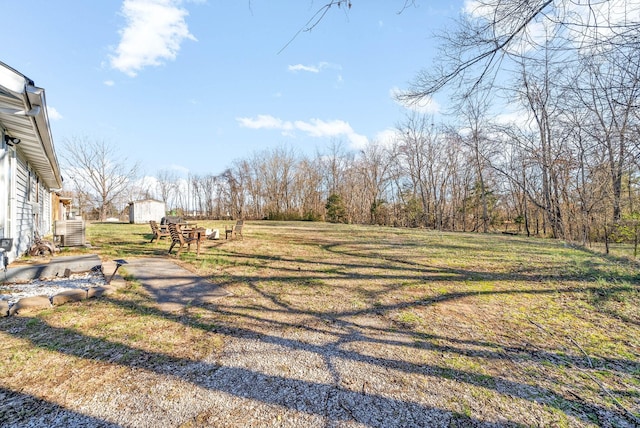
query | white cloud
(314,68)
(179,168)
(587,23)
(515,115)
(53,113)
(476,9)
(598,21)
(265,121)
(358,142)
(534,35)
(426,105)
(320,128)
(109,83)
(387,137)
(147,182)
(153,34)
(317,128)
(300,67)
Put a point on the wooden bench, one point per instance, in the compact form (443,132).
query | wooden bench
(159,231)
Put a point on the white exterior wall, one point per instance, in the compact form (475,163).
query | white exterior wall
(28,167)
(5,187)
(41,207)
(46,223)
(23,219)
(23,200)
(143,211)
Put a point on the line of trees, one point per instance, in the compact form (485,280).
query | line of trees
(567,166)
(570,173)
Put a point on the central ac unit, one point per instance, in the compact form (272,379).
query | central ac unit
(71,232)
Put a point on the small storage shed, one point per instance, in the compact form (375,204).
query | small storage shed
(145,210)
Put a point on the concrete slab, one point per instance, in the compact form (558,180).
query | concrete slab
(173,286)
(53,269)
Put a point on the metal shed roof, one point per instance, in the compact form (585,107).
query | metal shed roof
(23,115)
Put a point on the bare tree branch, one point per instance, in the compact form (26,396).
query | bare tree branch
(316,18)
(95,166)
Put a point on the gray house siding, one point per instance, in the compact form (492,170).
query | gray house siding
(46,212)
(23,215)
(32,207)
(29,169)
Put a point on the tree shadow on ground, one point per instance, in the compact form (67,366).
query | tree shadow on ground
(19,410)
(331,402)
(347,337)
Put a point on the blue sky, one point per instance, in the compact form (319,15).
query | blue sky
(193,85)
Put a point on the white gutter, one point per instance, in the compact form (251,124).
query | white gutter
(23,114)
(11,79)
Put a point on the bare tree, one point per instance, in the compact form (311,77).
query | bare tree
(474,113)
(233,189)
(373,167)
(96,166)
(307,188)
(255,185)
(610,92)
(415,137)
(334,164)
(492,32)
(542,101)
(460,176)
(278,171)
(167,184)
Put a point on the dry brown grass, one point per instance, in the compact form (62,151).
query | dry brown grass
(479,329)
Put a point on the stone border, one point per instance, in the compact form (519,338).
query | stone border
(34,303)
(57,267)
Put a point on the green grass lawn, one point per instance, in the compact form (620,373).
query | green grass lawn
(534,331)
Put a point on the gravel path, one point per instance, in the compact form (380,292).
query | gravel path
(277,368)
(256,382)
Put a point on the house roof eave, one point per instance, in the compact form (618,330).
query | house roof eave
(23,115)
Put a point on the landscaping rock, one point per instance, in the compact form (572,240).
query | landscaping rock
(100,291)
(69,296)
(29,304)
(4,308)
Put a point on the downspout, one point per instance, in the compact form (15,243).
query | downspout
(8,165)
(4,186)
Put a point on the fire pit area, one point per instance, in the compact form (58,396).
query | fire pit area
(62,280)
